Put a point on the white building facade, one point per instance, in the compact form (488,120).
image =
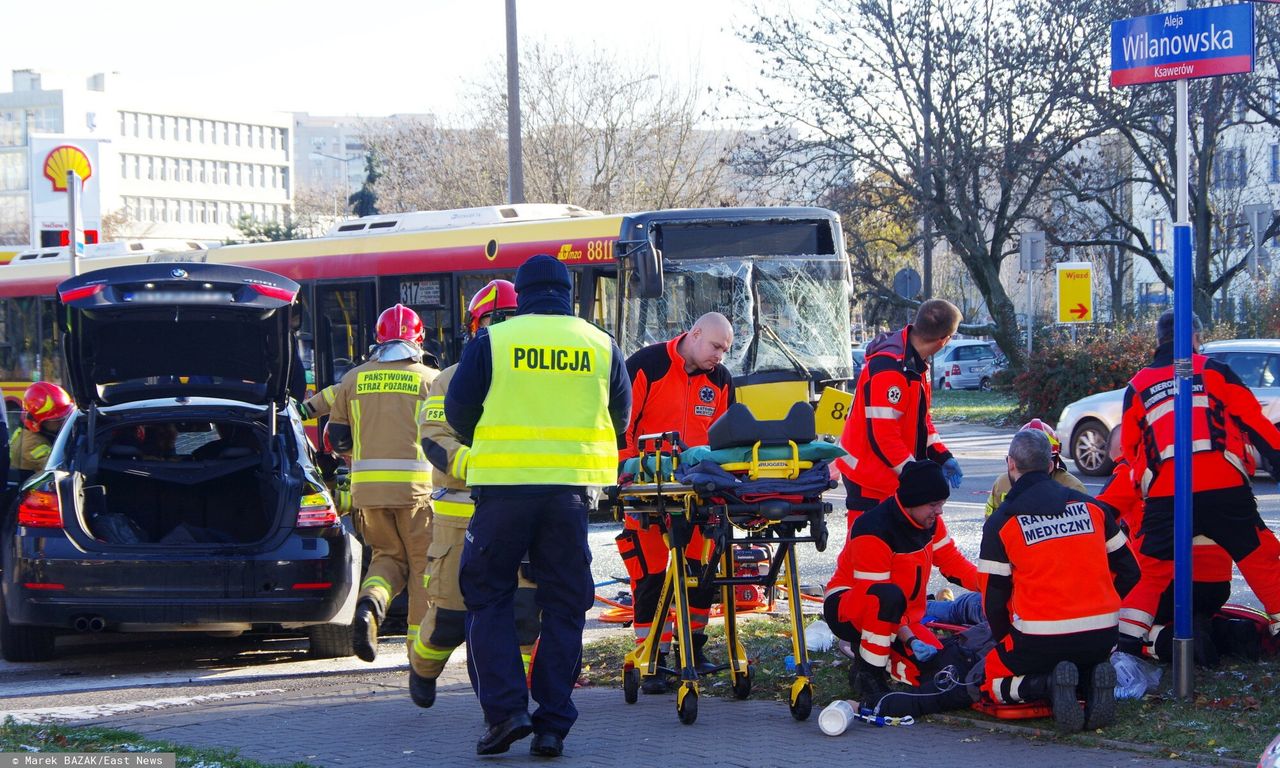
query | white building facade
(162,170)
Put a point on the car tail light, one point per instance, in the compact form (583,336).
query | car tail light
(317,511)
(955,369)
(39,508)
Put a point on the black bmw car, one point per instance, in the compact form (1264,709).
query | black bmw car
(181,494)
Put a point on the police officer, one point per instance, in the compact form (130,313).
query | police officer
(889,423)
(1056,565)
(376,419)
(442,629)
(45,407)
(1225,419)
(679,385)
(542,399)
(876,598)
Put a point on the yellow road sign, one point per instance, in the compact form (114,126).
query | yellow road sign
(1075,292)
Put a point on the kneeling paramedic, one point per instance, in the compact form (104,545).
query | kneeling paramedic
(442,629)
(376,418)
(542,399)
(876,599)
(1055,565)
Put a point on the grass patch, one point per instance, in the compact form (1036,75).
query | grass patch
(1235,714)
(994,408)
(54,738)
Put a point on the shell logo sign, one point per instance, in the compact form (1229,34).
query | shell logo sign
(66,158)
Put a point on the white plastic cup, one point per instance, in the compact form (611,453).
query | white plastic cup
(836,717)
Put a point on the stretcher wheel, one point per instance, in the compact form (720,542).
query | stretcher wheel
(742,684)
(687,705)
(631,685)
(802,703)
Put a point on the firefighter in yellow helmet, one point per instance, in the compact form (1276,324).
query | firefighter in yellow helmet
(443,628)
(377,420)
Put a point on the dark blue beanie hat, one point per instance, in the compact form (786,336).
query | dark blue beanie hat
(543,274)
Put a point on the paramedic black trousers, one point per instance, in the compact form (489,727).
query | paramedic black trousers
(550,524)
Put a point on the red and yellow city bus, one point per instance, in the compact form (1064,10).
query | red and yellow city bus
(779,274)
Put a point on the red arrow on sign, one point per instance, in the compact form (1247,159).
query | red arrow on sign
(1079,310)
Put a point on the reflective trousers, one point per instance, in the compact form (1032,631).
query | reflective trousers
(551,527)
(399,538)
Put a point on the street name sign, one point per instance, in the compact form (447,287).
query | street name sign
(1202,42)
(1075,292)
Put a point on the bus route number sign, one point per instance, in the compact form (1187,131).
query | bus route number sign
(421,293)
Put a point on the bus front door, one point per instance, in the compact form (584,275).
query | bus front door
(345,319)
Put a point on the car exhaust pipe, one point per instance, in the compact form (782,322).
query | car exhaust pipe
(96,624)
(81,624)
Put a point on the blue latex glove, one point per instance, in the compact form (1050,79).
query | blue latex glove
(922,650)
(951,471)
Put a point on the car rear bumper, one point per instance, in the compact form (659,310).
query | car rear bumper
(48,582)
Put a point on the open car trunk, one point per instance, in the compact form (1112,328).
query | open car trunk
(169,483)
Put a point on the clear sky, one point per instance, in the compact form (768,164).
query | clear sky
(359,57)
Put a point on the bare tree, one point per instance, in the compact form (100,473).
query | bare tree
(594,134)
(1005,104)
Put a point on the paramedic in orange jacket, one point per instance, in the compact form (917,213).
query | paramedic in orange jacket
(682,386)
(1055,565)
(876,599)
(1225,419)
(1211,567)
(889,422)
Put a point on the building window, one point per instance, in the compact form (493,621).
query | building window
(225,130)
(1275,163)
(124,166)
(1229,168)
(186,170)
(1158,242)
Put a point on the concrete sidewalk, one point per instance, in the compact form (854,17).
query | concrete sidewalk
(375,724)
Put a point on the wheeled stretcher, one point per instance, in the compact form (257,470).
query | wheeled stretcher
(758,484)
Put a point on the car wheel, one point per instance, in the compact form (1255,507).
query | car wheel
(1089,447)
(985,384)
(330,641)
(19,642)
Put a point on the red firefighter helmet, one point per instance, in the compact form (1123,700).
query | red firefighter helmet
(1054,442)
(498,295)
(44,402)
(400,323)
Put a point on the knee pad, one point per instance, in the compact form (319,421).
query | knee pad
(892,601)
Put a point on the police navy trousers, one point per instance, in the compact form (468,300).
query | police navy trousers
(552,528)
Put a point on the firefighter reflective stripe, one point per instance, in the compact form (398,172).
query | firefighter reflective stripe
(1066,626)
(458,467)
(1196,447)
(1166,408)
(40,451)
(833,591)
(1007,692)
(871,575)
(431,654)
(443,508)
(995,568)
(1116,542)
(434,410)
(874,648)
(355,429)
(378,583)
(390,471)
(568,434)
(883,412)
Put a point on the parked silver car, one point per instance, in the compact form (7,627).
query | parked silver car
(1086,424)
(964,364)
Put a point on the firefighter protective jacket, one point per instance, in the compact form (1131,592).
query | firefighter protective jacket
(889,423)
(886,545)
(1225,418)
(383,404)
(320,404)
(447,453)
(1054,561)
(29,451)
(1002,485)
(665,398)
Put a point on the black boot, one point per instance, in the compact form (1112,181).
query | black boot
(1238,637)
(701,663)
(422,689)
(657,683)
(364,629)
(870,683)
(1067,714)
(1100,697)
(1206,653)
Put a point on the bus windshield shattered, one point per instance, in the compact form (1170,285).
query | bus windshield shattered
(790,314)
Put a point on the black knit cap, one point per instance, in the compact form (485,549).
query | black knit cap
(1164,326)
(920,483)
(542,273)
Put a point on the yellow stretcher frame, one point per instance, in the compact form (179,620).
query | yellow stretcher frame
(677,508)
